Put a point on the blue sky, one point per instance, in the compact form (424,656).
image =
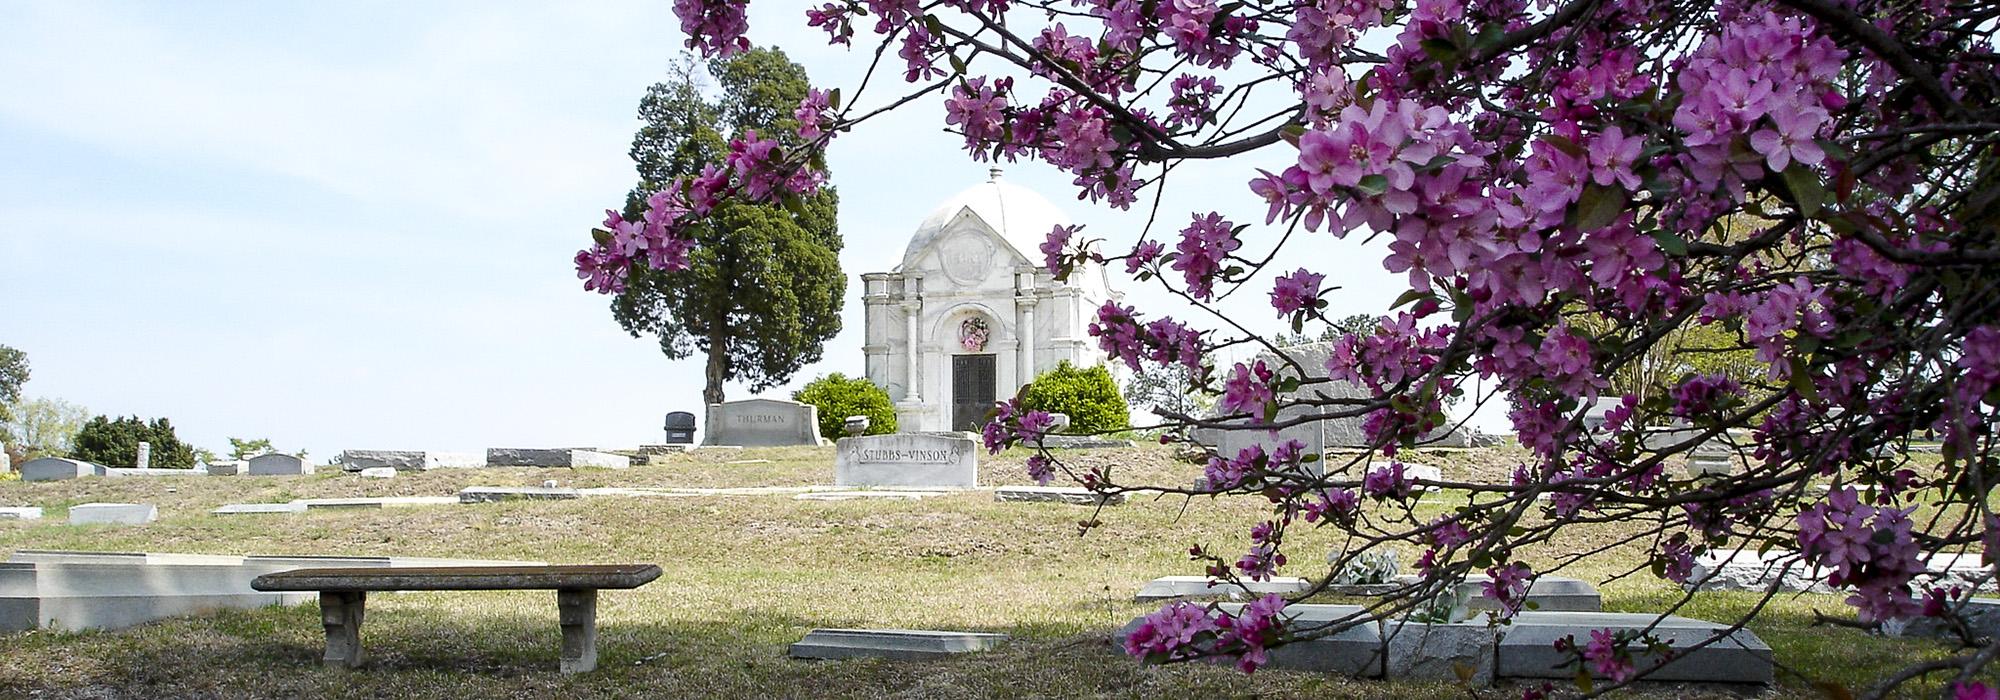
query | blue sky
(349,225)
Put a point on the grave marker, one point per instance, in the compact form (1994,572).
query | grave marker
(762,423)
(906,459)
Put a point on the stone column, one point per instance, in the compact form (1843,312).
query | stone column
(1026,303)
(145,455)
(913,307)
(576,612)
(341,613)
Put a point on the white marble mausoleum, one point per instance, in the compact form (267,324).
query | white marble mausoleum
(970,315)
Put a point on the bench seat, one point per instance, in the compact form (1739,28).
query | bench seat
(344,594)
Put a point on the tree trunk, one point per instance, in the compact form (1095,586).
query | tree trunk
(718,362)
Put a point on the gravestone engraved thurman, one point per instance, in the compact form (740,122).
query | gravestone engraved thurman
(762,423)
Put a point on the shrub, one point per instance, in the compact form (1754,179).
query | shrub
(1088,396)
(839,396)
(115,443)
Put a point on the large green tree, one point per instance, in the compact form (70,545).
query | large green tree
(764,289)
(43,428)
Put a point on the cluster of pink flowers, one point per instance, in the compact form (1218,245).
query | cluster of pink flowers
(1204,249)
(1387,483)
(1296,292)
(1764,82)
(1119,334)
(714,27)
(1012,424)
(1248,390)
(1508,585)
(1703,395)
(1866,547)
(1183,630)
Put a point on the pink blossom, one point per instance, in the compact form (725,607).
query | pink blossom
(1296,291)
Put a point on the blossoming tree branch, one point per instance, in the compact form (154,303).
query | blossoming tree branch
(1565,184)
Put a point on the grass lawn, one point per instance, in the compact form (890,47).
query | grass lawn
(746,576)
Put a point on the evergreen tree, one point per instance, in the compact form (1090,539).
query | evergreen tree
(765,287)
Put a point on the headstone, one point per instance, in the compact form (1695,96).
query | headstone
(871,494)
(1593,417)
(57,469)
(145,455)
(762,423)
(20,513)
(252,508)
(1073,495)
(1353,651)
(899,645)
(519,457)
(680,428)
(1170,587)
(1083,442)
(1982,619)
(1317,435)
(378,472)
(409,460)
(112,514)
(1528,648)
(6,460)
(135,471)
(370,503)
(496,494)
(855,425)
(229,468)
(906,459)
(1751,570)
(1436,651)
(276,464)
(1546,594)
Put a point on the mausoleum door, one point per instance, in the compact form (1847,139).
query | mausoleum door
(972,390)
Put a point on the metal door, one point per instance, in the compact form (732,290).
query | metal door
(972,391)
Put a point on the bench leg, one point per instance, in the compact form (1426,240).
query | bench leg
(340,613)
(577,611)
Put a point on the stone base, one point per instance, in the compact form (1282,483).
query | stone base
(1527,650)
(525,457)
(495,494)
(900,645)
(20,513)
(1056,494)
(906,459)
(1171,587)
(112,514)
(252,508)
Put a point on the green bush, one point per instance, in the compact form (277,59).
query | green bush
(115,443)
(1088,396)
(838,397)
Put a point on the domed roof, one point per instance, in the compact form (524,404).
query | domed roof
(1021,217)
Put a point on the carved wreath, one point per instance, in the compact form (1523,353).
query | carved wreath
(972,334)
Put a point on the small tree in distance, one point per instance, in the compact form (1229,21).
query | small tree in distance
(1089,397)
(839,396)
(115,443)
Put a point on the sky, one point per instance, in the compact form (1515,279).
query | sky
(350,225)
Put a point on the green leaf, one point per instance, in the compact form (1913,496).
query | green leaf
(1562,143)
(833,99)
(1670,243)
(1441,50)
(1373,184)
(1291,133)
(1801,380)
(957,64)
(1410,297)
(1807,192)
(602,236)
(1599,206)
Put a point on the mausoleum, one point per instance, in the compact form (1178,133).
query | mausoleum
(970,315)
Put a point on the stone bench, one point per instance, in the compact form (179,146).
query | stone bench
(344,591)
